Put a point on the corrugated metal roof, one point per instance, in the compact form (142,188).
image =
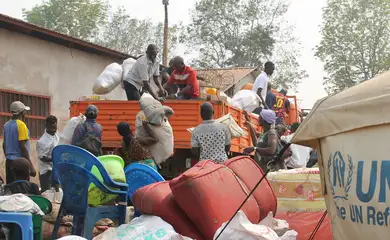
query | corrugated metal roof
(224,77)
(13,24)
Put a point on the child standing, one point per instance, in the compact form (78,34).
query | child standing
(45,147)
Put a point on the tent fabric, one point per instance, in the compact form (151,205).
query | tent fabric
(364,105)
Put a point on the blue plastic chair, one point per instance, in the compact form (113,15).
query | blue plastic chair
(23,219)
(138,176)
(73,167)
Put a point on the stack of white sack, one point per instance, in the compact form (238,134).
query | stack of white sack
(157,116)
(108,80)
(235,130)
(246,100)
(144,227)
(240,228)
(67,134)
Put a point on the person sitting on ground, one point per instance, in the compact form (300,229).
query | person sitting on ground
(138,78)
(300,154)
(45,146)
(21,172)
(88,135)
(133,149)
(268,144)
(210,140)
(183,81)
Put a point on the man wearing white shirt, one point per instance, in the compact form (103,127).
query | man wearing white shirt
(45,147)
(138,78)
(300,154)
(261,83)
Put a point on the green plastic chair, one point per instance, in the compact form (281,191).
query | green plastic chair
(46,207)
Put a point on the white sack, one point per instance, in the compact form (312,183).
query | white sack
(235,130)
(163,149)
(53,196)
(67,134)
(278,225)
(246,100)
(72,237)
(19,203)
(144,227)
(126,66)
(154,111)
(109,79)
(240,228)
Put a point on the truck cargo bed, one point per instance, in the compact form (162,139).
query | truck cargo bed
(186,115)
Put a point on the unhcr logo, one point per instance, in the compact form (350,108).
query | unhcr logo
(340,175)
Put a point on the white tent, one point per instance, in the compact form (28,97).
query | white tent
(350,130)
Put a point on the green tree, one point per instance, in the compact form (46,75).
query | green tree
(355,41)
(232,33)
(126,34)
(77,18)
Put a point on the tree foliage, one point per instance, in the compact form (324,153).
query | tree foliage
(77,18)
(88,20)
(355,41)
(127,34)
(244,33)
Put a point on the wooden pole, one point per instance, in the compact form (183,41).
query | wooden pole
(165,50)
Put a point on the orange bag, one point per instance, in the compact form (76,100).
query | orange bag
(209,194)
(250,173)
(157,199)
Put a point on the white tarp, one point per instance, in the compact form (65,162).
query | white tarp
(350,130)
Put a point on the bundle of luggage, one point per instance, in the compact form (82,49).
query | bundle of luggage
(207,195)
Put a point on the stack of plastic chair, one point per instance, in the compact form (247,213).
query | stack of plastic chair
(46,207)
(73,167)
(23,220)
(138,176)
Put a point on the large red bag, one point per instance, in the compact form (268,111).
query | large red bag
(209,194)
(305,223)
(157,199)
(250,173)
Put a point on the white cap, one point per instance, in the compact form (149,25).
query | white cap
(18,107)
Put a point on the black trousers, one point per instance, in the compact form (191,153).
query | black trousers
(132,93)
(45,180)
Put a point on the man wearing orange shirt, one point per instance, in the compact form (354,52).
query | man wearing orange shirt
(183,80)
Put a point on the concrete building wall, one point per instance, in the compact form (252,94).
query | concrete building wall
(35,66)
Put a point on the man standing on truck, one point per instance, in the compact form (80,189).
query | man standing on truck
(183,81)
(88,135)
(260,85)
(210,140)
(16,142)
(270,100)
(282,107)
(138,78)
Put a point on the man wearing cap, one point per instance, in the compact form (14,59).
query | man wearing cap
(91,127)
(16,142)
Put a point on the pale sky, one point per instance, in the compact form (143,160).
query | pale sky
(305,15)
